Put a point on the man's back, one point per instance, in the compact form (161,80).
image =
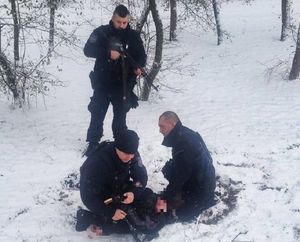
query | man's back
(192,171)
(202,179)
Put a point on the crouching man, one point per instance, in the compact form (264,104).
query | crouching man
(190,172)
(114,170)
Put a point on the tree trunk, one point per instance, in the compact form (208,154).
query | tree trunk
(8,75)
(296,62)
(16,30)
(173,19)
(51,28)
(285,18)
(11,77)
(1,26)
(158,51)
(216,9)
(140,23)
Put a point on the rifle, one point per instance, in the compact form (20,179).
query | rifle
(117,46)
(131,219)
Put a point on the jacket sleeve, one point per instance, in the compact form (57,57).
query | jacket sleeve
(180,171)
(96,45)
(92,182)
(138,51)
(139,176)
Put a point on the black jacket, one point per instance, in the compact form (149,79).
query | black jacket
(191,171)
(104,175)
(108,73)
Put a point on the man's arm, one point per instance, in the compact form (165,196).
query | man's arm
(180,172)
(92,182)
(139,175)
(96,45)
(137,51)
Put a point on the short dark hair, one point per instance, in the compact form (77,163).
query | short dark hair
(170,115)
(121,10)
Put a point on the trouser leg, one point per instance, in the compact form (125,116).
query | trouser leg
(192,208)
(98,107)
(119,119)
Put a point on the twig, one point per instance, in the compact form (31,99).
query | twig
(233,240)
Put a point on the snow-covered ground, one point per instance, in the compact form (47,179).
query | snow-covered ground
(251,124)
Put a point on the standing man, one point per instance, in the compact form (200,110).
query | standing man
(190,172)
(115,169)
(114,76)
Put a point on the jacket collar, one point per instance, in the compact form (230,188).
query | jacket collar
(118,32)
(171,139)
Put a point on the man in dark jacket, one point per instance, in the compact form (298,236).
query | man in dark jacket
(190,172)
(114,76)
(113,169)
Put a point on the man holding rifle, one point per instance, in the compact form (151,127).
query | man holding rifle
(114,74)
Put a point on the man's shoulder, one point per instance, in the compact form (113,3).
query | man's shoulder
(102,153)
(188,134)
(190,140)
(133,32)
(102,29)
(105,148)
(137,160)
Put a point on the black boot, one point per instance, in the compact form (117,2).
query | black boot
(84,220)
(92,146)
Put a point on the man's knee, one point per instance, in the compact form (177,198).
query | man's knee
(98,106)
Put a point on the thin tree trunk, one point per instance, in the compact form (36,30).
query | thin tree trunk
(51,29)
(296,62)
(216,9)
(1,26)
(158,51)
(12,82)
(140,23)
(173,19)
(285,18)
(16,30)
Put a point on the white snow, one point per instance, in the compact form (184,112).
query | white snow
(249,122)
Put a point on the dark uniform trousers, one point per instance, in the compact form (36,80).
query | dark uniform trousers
(98,108)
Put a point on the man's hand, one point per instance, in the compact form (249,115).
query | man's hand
(114,55)
(161,206)
(119,215)
(129,197)
(138,72)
